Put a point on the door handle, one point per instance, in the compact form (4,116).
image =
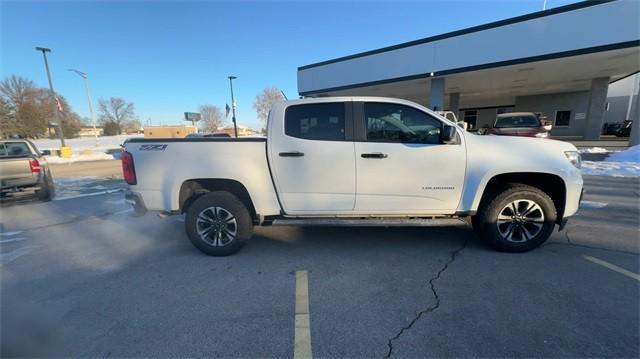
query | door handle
(374,155)
(291,154)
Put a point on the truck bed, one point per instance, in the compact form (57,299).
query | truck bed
(163,165)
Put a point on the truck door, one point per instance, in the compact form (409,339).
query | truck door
(312,158)
(402,166)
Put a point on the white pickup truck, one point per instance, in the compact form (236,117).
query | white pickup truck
(364,161)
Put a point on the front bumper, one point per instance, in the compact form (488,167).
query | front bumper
(564,220)
(136,201)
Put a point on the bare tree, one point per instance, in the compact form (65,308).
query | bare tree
(116,110)
(16,90)
(26,112)
(211,118)
(265,100)
(131,126)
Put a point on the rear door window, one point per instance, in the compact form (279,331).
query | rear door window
(322,121)
(15,149)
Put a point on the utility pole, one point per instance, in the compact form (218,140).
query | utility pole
(233,106)
(85,78)
(53,94)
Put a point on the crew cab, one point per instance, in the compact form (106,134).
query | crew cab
(22,168)
(356,161)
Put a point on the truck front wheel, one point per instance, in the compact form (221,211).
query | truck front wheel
(218,223)
(518,219)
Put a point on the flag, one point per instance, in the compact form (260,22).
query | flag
(226,110)
(58,104)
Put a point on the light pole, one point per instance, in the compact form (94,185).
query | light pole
(53,94)
(85,78)
(233,106)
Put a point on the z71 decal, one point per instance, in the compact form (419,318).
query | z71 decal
(153,147)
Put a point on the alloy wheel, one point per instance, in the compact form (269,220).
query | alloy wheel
(216,226)
(520,221)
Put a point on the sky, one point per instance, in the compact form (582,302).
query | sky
(168,57)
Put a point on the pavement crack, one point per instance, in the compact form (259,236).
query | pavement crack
(570,242)
(429,309)
(566,235)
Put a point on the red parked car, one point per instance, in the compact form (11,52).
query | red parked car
(526,124)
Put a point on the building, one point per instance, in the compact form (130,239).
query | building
(89,131)
(179,131)
(559,62)
(242,131)
(622,100)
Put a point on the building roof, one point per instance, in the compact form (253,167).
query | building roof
(557,50)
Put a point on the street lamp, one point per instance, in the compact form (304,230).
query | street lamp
(85,77)
(233,105)
(53,94)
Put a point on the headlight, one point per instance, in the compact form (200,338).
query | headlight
(542,134)
(574,157)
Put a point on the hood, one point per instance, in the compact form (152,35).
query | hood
(518,154)
(518,144)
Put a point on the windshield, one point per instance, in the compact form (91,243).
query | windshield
(517,121)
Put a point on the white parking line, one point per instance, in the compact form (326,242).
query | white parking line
(16,239)
(128,210)
(9,234)
(613,267)
(87,194)
(592,205)
(13,255)
(302,334)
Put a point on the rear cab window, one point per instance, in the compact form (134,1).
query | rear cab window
(322,121)
(9,149)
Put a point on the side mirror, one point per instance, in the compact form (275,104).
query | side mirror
(448,135)
(463,125)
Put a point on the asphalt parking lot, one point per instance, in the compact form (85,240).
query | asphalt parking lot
(83,277)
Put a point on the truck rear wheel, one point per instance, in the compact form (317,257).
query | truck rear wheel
(518,219)
(46,192)
(218,223)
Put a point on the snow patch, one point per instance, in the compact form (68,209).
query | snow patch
(590,204)
(613,169)
(632,155)
(620,164)
(85,143)
(100,156)
(593,150)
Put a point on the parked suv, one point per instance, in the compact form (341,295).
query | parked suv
(22,167)
(526,124)
(625,129)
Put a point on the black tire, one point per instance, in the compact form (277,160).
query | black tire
(46,191)
(519,233)
(216,206)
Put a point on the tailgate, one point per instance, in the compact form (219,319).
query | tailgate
(14,168)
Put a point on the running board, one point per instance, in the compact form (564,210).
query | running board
(371,222)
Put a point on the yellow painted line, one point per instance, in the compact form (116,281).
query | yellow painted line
(302,339)
(613,267)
